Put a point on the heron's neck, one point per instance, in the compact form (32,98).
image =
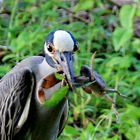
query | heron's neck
(45,69)
(49,60)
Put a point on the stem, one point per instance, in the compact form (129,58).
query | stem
(92,65)
(13,13)
(113,107)
(116,91)
(98,124)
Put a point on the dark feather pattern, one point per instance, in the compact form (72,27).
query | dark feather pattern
(15,89)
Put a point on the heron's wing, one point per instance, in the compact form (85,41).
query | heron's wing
(15,96)
(63,118)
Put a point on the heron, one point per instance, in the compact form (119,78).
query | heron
(22,116)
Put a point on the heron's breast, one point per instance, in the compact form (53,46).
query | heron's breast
(46,87)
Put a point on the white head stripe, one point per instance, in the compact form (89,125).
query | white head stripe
(45,47)
(62,41)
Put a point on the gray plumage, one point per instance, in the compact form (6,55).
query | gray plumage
(22,116)
(15,88)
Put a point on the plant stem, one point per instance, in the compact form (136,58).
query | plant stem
(11,22)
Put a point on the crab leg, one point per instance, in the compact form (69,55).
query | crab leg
(116,91)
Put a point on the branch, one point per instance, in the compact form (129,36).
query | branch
(75,16)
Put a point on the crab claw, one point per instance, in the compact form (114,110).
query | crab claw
(96,85)
(87,72)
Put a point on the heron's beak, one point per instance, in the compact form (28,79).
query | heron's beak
(65,62)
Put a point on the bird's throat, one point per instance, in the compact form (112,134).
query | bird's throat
(45,87)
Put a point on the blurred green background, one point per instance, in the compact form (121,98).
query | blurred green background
(112,29)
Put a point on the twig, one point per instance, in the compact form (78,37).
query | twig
(5,48)
(75,16)
(116,91)
(123,2)
(12,20)
(92,65)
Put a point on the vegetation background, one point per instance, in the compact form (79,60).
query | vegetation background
(109,27)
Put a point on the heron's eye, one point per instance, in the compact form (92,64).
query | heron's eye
(50,48)
(75,47)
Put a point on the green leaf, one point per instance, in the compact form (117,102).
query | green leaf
(138,10)
(56,97)
(136,44)
(3,69)
(84,5)
(71,131)
(126,15)
(128,123)
(116,137)
(9,56)
(131,112)
(59,76)
(120,37)
(88,132)
(126,62)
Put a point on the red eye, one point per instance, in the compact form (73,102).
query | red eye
(50,48)
(75,48)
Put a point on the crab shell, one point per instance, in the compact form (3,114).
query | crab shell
(98,86)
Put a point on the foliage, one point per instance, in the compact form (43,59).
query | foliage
(56,97)
(123,34)
(110,30)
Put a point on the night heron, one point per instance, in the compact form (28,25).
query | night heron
(22,116)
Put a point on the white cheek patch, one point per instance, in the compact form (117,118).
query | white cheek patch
(46,50)
(63,41)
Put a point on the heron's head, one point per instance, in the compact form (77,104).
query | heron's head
(59,48)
